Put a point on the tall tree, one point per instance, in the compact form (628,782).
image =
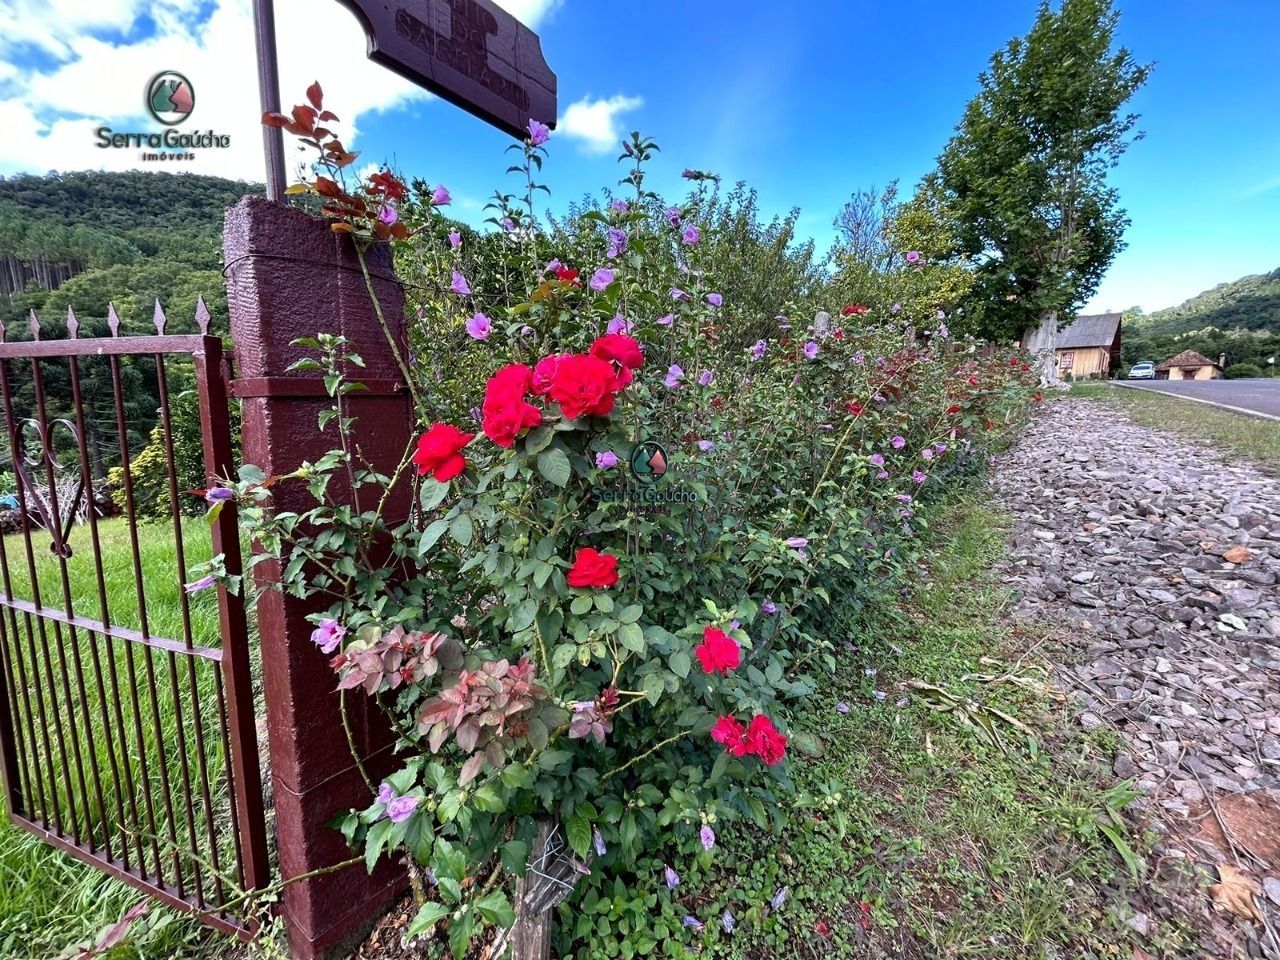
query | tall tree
(1026,171)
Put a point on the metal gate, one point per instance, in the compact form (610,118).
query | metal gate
(127,732)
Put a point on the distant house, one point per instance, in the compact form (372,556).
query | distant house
(1088,347)
(1188,365)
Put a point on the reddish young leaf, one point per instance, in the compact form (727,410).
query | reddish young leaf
(315,95)
(305,117)
(274,119)
(327,188)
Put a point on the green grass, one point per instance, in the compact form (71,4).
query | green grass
(49,900)
(950,847)
(1237,435)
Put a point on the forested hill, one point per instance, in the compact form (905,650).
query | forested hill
(1250,303)
(1240,320)
(83,239)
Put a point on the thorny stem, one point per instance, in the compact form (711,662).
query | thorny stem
(279,885)
(648,753)
(351,741)
(386,330)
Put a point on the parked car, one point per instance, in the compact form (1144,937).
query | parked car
(1143,370)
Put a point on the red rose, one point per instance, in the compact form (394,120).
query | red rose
(544,373)
(620,348)
(855,408)
(440,451)
(854,310)
(507,417)
(953,409)
(584,384)
(718,653)
(839,334)
(514,378)
(593,569)
(506,413)
(764,740)
(565,275)
(730,732)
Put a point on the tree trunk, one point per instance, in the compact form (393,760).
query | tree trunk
(1039,341)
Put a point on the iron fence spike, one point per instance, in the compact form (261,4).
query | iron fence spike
(202,315)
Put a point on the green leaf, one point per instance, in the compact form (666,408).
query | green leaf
(460,935)
(1131,859)
(450,861)
(653,687)
(435,530)
(563,655)
(450,889)
(433,492)
(630,613)
(375,841)
(538,440)
(461,530)
(578,830)
(515,854)
(486,800)
(495,908)
(604,603)
(522,617)
(450,804)
(553,464)
(680,664)
(580,605)
(429,914)
(632,637)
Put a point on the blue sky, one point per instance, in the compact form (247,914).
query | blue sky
(806,102)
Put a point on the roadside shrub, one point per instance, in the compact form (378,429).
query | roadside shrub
(149,469)
(1240,371)
(635,536)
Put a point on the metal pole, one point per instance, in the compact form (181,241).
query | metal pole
(264,32)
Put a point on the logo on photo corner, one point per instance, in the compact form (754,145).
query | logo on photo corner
(649,461)
(170,98)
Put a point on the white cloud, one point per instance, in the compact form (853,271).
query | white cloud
(50,114)
(530,12)
(595,122)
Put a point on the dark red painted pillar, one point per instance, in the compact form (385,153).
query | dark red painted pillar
(289,276)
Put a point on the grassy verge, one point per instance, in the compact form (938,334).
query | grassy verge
(48,900)
(1250,438)
(921,835)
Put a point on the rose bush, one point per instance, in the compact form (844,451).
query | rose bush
(562,629)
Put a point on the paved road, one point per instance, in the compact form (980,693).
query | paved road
(1260,396)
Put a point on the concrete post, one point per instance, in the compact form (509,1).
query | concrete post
(289,276)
